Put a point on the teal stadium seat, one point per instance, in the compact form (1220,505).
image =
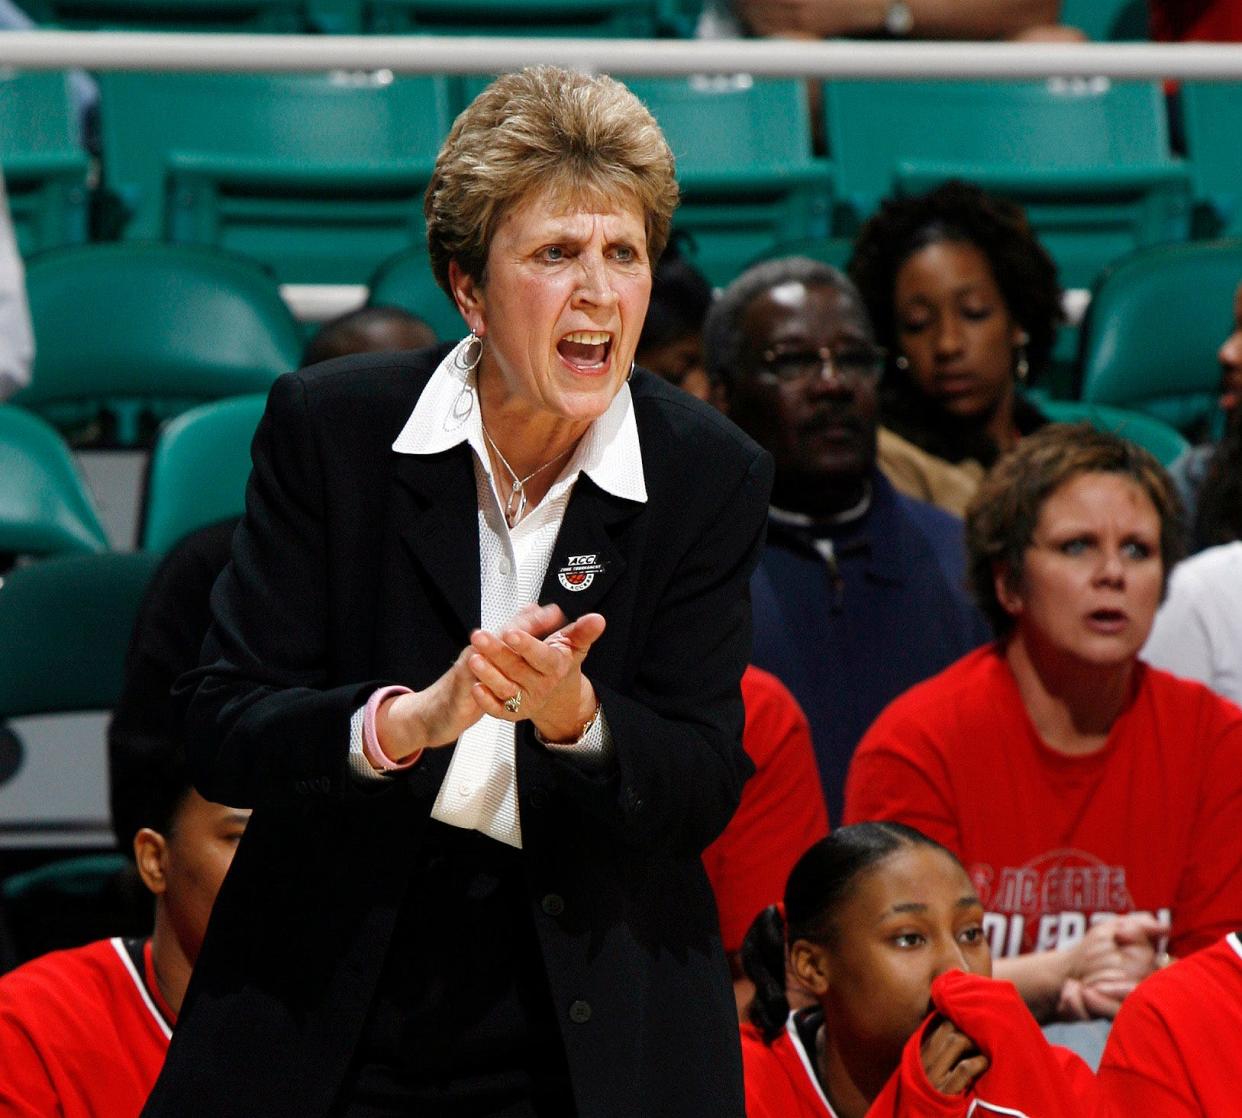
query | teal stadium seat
(406,281)
(1089,159)
(1153,435)
(143,331)
(45,509)
(198,470)
(45,168)
(1212,115)
(320,176)
(65,625)
(745,165)
(1108,20)
(635,19)
(170,15)
(1153,329)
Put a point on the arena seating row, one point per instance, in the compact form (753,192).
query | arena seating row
(130,334)
(1101,20)
(321,176)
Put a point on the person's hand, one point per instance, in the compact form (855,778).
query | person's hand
(541,673)
(1110,960)
(951,1060)
(1050,33)
(438,715)
(805,19)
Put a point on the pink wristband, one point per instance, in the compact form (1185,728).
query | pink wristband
(370,743)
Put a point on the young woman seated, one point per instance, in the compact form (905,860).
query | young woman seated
(884,928)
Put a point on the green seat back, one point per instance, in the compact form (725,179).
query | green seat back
(134,328)
(170,15)
(65,625)
(85,876)
(406,281)
(1212,113)
(745,165)
(1089,159)
(1107,20)
(1165,443)
(44,165)
(199,469)
(629,19)
(320,176)
(45,509)
(1153,329)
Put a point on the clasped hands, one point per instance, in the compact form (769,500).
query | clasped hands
(1108,962)
(536,655)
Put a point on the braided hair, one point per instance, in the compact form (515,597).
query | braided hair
(821,881)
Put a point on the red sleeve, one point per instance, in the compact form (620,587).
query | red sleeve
(897,776)
(1142,1071)
(26,1087)
(781,812)
(1208,905)
(1025,1072)
(770,1090)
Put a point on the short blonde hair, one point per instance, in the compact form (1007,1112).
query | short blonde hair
(544,130)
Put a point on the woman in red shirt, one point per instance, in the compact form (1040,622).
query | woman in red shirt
(884,928)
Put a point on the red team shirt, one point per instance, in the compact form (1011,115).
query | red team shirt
(1204,20)
(1175,1049)
(782,810)
(82,1034)
(1026,1077)
(1150,822)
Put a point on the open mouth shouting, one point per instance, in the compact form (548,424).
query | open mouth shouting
(586,351)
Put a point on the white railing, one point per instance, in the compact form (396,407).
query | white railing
(437,54)
(434,54)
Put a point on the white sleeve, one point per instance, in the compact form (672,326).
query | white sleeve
(16,334)
(1180,640)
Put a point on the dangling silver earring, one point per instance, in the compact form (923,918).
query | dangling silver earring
(902,362)
(1021,367)
(469,354)
(633,364)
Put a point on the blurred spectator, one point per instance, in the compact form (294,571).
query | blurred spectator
(967,303)
(672,337)
(856,596)
(1173,1051)
(905,19)
(1209,477)
(16,334)
(781,814)
(1217,21)
(84,1031)
(1198,631)
(1093,799)
(368,330)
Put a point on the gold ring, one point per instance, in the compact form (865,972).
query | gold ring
(514,702)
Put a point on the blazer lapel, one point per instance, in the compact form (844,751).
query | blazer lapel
(437,519)
(586,560)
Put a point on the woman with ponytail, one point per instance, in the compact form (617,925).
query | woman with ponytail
(884,928)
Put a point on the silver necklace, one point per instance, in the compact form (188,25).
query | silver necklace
(515,506)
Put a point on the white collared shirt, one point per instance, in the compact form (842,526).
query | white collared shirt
(479,791)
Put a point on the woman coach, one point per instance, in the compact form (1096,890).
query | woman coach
(482,895)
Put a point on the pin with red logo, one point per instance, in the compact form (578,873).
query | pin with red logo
(579,572)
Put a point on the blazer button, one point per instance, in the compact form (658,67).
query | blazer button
(538,799)
(580,1012)
(634,801)
(553,904)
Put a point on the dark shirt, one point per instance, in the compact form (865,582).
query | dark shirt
(849,634)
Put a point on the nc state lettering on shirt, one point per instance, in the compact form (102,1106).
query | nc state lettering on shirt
(1051,901)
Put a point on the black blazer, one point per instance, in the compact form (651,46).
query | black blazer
(355,566)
